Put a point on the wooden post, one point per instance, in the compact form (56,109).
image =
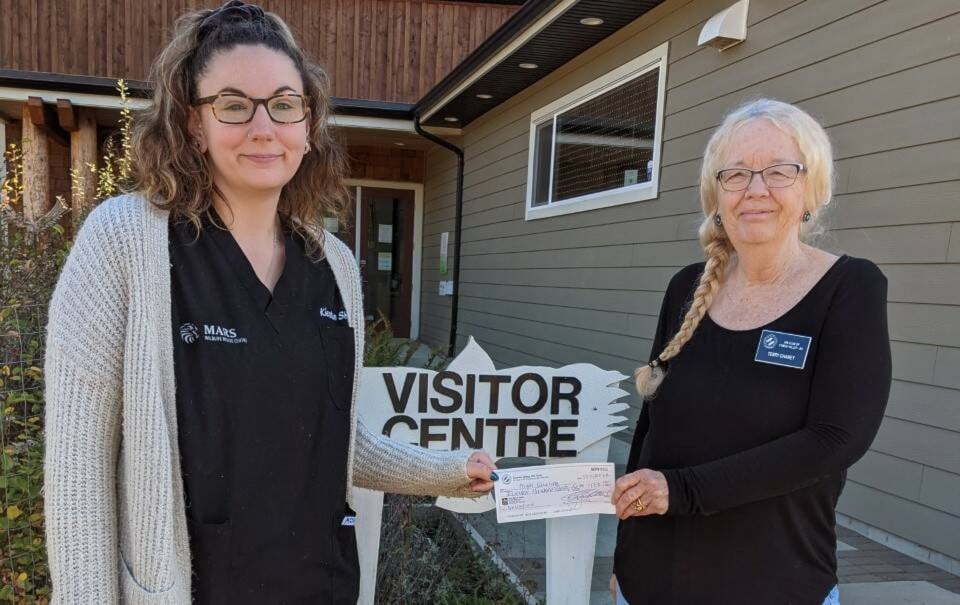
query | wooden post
(369,509)
(83,151)
(36,167)
(571,543)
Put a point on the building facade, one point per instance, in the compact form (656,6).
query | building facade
(583,280)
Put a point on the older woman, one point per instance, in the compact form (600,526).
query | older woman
(204,344)
(768,378)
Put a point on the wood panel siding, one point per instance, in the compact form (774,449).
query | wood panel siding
(881,76)
(387,50)
(386,164)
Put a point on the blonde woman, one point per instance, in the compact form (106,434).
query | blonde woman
(768,378)
(204,344)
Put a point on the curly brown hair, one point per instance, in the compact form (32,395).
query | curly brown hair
(174,175)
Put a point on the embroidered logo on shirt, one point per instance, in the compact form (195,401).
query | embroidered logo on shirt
(211,333)
(189,333)
(328,314)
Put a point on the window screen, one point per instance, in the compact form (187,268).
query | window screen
(602,144)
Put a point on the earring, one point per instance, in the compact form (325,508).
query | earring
(807,216)
(306,147)
(717,220)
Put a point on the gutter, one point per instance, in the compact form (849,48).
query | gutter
(458,229)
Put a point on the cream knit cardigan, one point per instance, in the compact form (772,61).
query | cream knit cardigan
(115,513)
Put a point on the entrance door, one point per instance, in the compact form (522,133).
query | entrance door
(386,254)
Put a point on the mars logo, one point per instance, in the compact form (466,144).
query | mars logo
(189,333)
(770,341)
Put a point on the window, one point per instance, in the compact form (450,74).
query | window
(599,146)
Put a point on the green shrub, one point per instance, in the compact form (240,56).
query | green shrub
(426,558)
(383,349)
(32,252)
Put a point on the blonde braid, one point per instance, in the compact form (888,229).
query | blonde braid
(717,252)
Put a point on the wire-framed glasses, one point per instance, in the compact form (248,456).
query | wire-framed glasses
(776,176)
(233,108)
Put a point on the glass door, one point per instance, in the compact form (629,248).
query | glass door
(382,238)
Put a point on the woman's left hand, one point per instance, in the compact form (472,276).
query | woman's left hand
(480,469)
(640,493)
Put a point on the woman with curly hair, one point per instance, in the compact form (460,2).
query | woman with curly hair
(204,345)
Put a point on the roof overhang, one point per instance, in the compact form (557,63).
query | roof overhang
(545,33)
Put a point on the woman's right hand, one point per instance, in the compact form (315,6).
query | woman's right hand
(481,470)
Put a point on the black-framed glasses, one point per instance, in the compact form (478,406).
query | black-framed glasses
(776,176)
(233,108)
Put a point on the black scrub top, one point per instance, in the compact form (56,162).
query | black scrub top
(264,387)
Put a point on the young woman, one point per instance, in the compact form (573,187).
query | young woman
(204,345)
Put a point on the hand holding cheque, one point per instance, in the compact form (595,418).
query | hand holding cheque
(554,490)
(564,490)
(640,493)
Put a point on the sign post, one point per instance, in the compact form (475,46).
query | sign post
(564,414)
(571,543)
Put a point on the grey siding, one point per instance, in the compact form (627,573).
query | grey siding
(882,77)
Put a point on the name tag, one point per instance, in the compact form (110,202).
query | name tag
(783,349)
(349,520)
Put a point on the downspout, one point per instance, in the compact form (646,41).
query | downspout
(458,225)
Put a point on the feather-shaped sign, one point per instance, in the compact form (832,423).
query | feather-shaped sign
(513,412)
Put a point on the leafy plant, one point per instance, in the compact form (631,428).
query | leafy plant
(426,559)
(24,576)
(32,252)
(383,349)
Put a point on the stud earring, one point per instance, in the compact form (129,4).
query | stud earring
(717,220)
(807,216)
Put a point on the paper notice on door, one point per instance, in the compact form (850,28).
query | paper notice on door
(444,245)
(385,261)
(385,234)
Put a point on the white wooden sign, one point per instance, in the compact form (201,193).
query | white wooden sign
(564,414)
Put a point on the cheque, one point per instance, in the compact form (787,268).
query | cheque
(554,490)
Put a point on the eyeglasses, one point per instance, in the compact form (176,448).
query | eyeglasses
(231,108)
(776,176)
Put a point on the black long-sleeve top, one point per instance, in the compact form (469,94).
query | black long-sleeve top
(755,454)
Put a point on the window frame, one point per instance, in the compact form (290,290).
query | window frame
(623,74)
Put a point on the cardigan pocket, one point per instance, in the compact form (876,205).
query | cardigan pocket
(133,592)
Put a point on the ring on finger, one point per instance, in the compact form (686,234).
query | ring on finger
(638,505)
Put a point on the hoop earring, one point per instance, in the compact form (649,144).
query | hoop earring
(306,147)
